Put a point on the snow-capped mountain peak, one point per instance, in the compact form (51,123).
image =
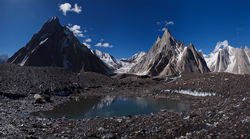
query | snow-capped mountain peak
(119,66)
(107,59)
(226,58)
(221,45)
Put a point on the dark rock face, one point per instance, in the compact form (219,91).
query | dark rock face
(169,57)
(55,45)
(192,61)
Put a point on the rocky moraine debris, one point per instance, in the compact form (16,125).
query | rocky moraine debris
(224,115)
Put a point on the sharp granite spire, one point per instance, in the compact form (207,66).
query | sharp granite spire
(169,57)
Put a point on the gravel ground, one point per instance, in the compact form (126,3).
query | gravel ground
(225,115)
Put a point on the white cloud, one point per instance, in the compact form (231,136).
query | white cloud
(88,40)
(98,44)
(169,23)
(164,24)
(86,44)
(66,7)
(76,9)
(76,29)
(106,45)
(164,29)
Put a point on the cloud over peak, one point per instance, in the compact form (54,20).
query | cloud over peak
(169,23)
(164,24)
(106,45)
(66,7)
(76,29)
(88,40)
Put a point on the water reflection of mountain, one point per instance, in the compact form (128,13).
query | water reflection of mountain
(160,103)
(106,101)
(109,106)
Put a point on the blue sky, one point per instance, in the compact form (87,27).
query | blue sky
(129,26)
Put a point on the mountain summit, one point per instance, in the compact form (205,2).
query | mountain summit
(169,57)
(55,45)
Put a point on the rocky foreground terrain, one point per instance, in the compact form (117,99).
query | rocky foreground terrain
(224,115)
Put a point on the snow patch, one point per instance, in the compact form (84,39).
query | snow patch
(24,60)
(186,118)
(181,52)
(173,78)
(16,58)
(190,92)
(42,42)
(221,45)
(52,19)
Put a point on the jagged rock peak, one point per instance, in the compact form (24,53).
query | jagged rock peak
(191,46)
(56,46)
(167,34)
(169,57)
(167,39)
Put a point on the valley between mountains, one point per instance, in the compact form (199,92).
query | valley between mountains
(211,92)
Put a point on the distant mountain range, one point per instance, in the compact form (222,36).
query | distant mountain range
(226,58)
(3,58)
(55,45)
(119,66)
